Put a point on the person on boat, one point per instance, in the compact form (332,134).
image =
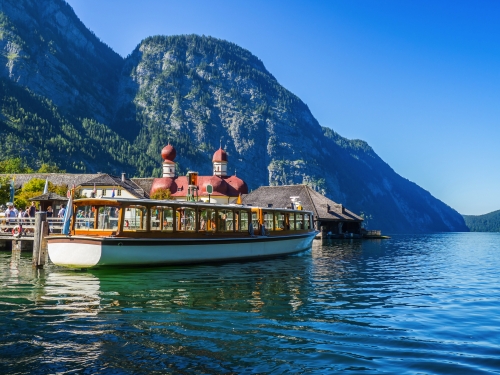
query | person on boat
(250,229)
(263,230)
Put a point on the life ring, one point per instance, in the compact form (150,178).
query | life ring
(17,231)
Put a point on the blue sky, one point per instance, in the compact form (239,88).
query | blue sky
(418,80)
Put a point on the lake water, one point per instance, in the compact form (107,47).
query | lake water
(426,304)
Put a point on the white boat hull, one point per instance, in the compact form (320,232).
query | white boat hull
(85,252)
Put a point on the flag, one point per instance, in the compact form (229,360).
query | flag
(12,190)
(113,193)
(46,188)
(67,216)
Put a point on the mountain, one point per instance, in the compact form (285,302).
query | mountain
(87,109)
(483,223)
(58,86)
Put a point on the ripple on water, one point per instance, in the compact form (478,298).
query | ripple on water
(413,304)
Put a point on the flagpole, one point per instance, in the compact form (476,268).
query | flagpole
(68,215)
(12,190)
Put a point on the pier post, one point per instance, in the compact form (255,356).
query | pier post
(41,231)
(17,245)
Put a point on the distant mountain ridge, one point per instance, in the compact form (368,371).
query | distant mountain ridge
(68,98)
(489,222)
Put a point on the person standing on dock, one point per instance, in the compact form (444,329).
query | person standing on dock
(50,214)
(32,211)
(11,212)
(62,211)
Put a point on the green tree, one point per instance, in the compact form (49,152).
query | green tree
(161,194)
(34,185)
(4,189)
(50,168)
(14,165)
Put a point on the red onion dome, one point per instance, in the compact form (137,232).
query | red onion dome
(164,183)
(219,185)
(220,155)
(168,153)
(237,184)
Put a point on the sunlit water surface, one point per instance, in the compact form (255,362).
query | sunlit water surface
(412,304)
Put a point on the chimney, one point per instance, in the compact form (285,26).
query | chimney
(123,177)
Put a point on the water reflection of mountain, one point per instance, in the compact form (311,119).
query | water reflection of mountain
(342,281)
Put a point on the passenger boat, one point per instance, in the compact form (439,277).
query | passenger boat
(145,232)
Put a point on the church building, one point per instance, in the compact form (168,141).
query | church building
(225,189)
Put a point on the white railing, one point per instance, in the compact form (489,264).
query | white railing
(7,225)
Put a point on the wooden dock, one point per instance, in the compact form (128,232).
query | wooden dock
(28,234)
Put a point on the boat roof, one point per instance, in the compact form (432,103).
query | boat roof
(127,201)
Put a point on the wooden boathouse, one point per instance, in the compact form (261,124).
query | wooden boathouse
(331,219)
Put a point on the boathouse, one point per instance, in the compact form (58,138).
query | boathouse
(329,216)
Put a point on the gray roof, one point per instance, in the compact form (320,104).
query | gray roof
(48,197)
(70,179)
(109,180)
(144,183)
(279,196)
(56,178)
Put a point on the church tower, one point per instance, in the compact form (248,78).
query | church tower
(220,163)
(168,154)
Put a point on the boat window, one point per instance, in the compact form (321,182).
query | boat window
(306,221)
(255,221)
(268,220)
(135,218)
(292,221)
(299,220)
(226,220)
(108,217)
(207,219)
(186,217)
(84,218)
(155,214)
(243,221)
(167,218)
(279,221)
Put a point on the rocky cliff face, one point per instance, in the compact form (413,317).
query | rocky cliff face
(199,92)
(46,48)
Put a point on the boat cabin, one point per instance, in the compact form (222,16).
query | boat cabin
(154,218)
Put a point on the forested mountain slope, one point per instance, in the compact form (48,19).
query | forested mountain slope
(483,223)
(198,92)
